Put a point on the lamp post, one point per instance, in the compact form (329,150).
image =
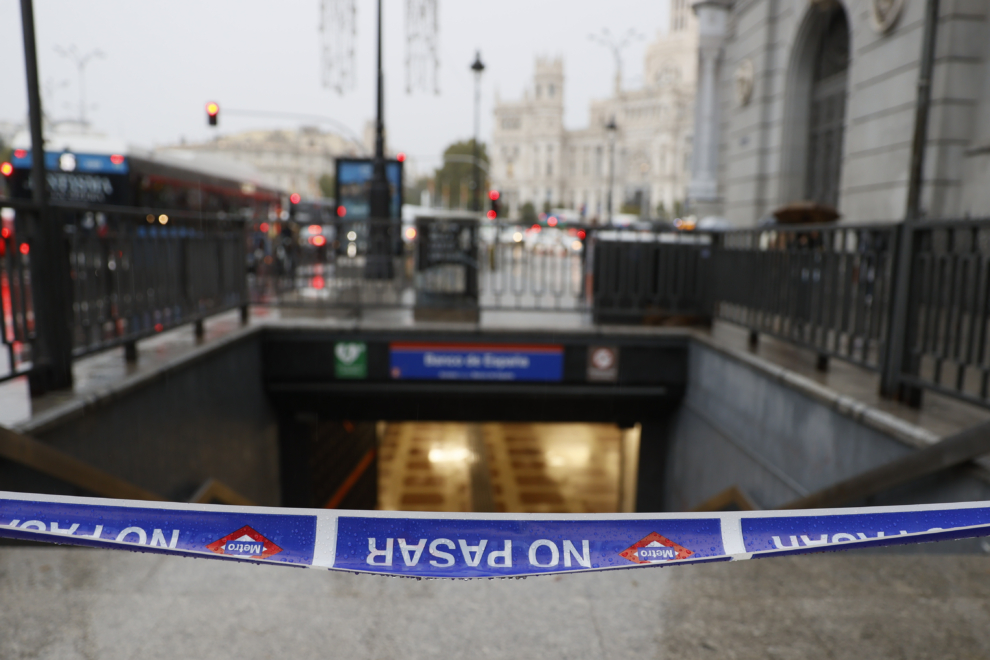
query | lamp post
(80,61)
(379,261)
(611,128)
(478,67)
(51,350)
(616,44)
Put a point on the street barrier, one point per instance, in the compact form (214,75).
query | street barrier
(473,545)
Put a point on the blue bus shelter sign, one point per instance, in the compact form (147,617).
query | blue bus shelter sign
(507,362)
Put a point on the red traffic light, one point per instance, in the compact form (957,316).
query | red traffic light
(212,110)
(401,157)
(6,169)
(341,211)
(295,198)
(493,195)
(492,215)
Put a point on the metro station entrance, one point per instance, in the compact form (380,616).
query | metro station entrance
(507,467)
(558,430)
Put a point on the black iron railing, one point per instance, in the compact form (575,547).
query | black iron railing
(947,346)
(831,289)
(492,267)
(827,288)
(132,273)
(636,274)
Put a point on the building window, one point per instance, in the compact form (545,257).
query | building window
(550,90)
(549,161)
(828,113)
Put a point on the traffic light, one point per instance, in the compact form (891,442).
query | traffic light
(496,206)
(6,168)
(212,110)
(294,200)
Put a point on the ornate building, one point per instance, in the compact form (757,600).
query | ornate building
(535,159)
(817,101)
(292,160)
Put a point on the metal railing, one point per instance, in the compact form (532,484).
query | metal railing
(131,272)
(947,346)
(133,276)
(500,267)
(826,288)
(636,274)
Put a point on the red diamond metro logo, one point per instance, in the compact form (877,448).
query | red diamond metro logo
(653,549)
(245,542)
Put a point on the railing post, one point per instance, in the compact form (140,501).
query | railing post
(897,340)
(894,342)
(50,283)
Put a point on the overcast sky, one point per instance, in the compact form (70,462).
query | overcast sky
(163,61)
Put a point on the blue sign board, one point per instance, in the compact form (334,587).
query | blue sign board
(72,162)
(508,362)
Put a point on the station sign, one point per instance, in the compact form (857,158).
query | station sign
(478,362)
(350,360)
(603,364)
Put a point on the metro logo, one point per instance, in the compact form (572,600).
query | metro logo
(653,549)
(245,542)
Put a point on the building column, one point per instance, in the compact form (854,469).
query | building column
(703,189)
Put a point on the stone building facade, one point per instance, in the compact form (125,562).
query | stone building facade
(293,160)
(815,100)
(534,158)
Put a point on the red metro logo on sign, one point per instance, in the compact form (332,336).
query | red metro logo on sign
(245,542)
(653,549)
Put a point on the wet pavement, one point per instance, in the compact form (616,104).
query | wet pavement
(81,603)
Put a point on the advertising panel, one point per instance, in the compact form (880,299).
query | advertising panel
(354,187)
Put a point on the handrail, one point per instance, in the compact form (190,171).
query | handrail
(44,458)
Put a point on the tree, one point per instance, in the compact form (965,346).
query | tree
(528,213)
(327,185)
(414,193)
(459,171)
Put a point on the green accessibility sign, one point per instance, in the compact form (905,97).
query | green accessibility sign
(350,360)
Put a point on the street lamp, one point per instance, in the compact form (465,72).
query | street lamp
(616,44)
(611,128)
(379,263)
(478,67)
(80,61)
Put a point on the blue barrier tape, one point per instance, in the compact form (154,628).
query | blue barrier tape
(451,545)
